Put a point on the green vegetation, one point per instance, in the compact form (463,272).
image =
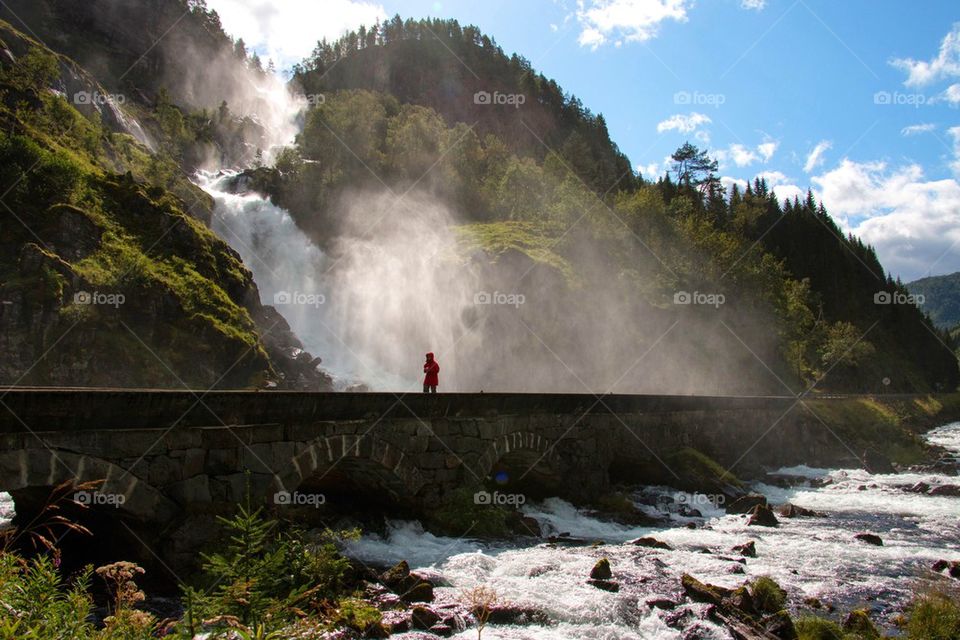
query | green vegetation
(698,472)
(934,616)
(941,298)
(83,216)
(768,596)
(268,580)
(462,516)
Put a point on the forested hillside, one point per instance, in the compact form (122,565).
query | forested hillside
(520,175)
(540,201)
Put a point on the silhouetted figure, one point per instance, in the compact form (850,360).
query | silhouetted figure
(431,379)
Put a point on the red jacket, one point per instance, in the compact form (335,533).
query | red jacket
(431,368)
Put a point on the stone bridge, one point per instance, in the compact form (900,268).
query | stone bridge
(170,454)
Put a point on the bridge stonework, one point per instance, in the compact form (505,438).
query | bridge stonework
(173,453)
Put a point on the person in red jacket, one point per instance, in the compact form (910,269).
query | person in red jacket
(431,379)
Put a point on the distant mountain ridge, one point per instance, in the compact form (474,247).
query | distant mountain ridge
(941,298)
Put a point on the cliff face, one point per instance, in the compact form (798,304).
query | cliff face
(109,277)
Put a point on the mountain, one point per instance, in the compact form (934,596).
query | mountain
(941,298)
(438,175)
(108,272)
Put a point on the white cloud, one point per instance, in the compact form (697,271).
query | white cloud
(952,94)
(727,182)
(913,223)
(630,20)
(945,65)
(815,158)
(741,155)
(651,171)
(767,149)
(286,31)
(955,165)
(756,5)
(916,129)
(684,123)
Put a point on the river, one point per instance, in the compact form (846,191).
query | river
(811,557)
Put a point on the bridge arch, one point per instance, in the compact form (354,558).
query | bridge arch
(34,468)
(523,460)
(353,457)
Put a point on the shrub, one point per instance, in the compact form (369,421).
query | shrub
(768,596)
(815,628)
(934,616)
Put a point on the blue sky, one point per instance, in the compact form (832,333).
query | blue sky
(856,99)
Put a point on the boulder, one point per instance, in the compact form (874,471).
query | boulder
(762,516)
(409,586)
(601,570)
(651,543)
(779,625)
(745,503)
(424,617)
(793,511)
(870,538)
(516,614)
(858,624)
(951,490)
(748,549)
(606,585)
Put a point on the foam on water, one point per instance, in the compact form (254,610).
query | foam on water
(809,556)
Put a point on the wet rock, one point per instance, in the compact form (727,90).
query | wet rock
(736,569)
(813,603)
(742,600)
(409,586)
(858,624)
(651,543)
(443,630)
(703,592)
(606,585)
(516,614)
(689,512)
(661,603)
(746,503)
(762,516)
(940,565)
(748,549)
(424,617)
(789,510)
(951,490)
(530,526)
(779,625)
(870,538)
(920,487)
(601,570)
(396,621)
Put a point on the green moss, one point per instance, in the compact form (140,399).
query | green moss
(816,628)
(460,515)
(768,596)
(859,625)
(697,471)
(535,241)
